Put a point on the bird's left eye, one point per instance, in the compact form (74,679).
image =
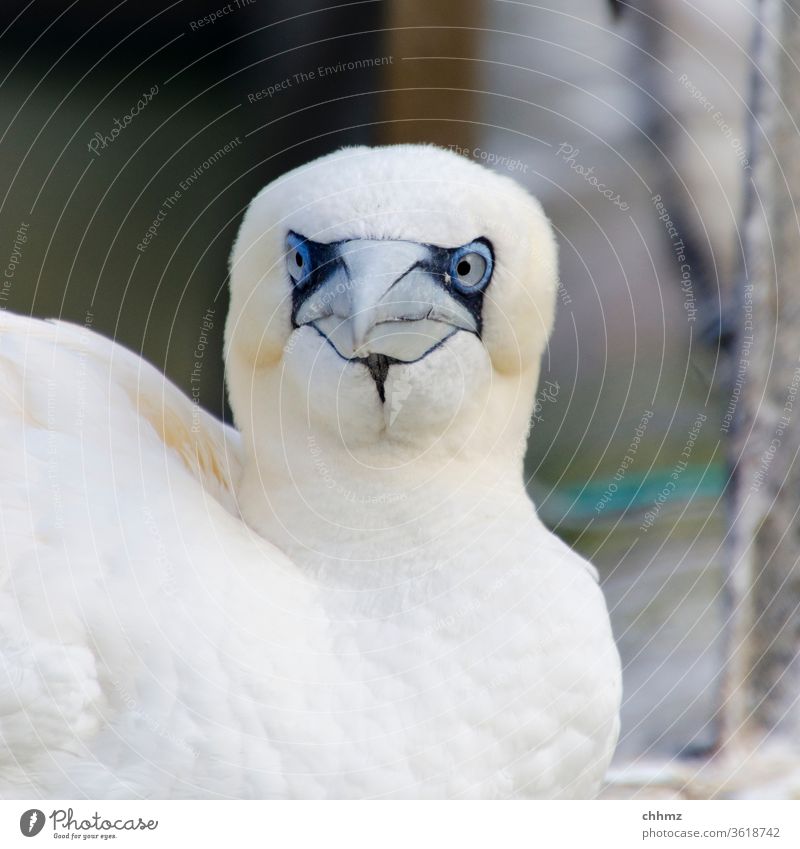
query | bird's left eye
(470,266)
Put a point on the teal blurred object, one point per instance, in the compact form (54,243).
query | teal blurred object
(575,506)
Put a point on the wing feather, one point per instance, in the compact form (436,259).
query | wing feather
(117,521)
(209,448)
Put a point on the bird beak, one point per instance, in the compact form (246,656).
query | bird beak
(386,298)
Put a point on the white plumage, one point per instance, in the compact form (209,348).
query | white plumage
(354,598)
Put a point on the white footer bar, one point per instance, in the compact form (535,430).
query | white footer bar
(402,825)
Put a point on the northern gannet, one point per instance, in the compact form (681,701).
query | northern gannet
(351,595)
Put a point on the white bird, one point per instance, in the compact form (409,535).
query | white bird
(351,596)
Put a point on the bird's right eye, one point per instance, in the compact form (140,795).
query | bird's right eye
(298,258)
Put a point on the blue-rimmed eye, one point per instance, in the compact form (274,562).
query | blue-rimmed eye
(298,258)
(471,266)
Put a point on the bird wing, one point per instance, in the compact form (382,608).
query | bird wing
(207,447)
(119,551)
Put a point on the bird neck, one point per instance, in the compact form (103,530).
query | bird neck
(343,469)
(311,494)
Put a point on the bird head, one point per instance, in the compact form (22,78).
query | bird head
(397,294)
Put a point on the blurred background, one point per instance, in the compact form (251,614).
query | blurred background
(133,135)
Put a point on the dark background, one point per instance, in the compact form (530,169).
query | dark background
(68,70)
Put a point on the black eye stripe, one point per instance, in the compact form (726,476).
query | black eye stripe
(324,259)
